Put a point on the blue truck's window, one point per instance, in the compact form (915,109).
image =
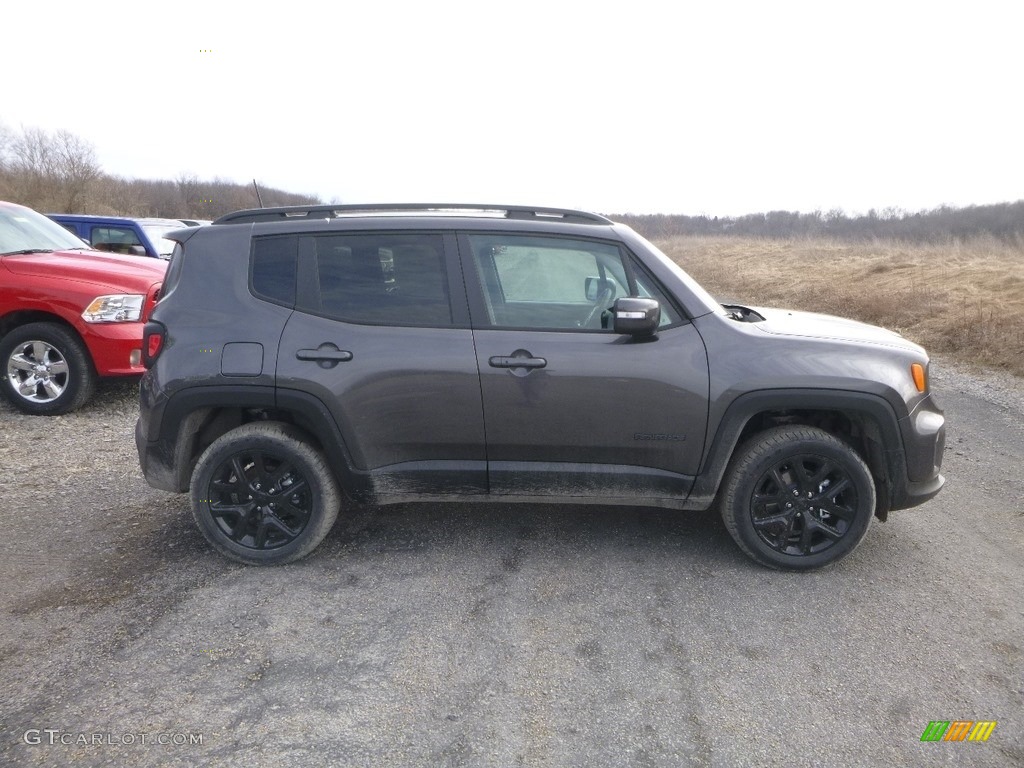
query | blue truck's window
(114,239)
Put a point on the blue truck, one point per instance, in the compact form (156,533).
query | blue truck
(119,234)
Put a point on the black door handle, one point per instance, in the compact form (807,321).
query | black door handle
(326,355)
(517,362)
(520,361)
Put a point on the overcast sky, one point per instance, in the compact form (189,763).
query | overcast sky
(721,108)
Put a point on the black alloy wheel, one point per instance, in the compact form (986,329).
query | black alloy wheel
(260,500)
(797,498)
(261,494)
(803,505)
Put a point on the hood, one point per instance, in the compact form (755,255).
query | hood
(123,272)
(786,322)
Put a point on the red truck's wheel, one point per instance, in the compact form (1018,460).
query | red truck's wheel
(46,369)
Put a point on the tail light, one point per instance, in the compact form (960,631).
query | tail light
(153,336)
(151,299)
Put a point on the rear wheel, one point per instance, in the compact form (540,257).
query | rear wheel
(797,498)
(46,369)
(262,495)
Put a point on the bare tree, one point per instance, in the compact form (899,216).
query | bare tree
(52,172)
(189,192)
(31,167)
(77,169)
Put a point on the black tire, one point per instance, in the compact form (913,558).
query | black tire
(46,369)
(797,498)
(262,495)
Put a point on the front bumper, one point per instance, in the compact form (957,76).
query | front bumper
(924,441)
(113,347)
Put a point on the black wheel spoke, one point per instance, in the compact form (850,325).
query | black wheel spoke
(232,518)
(279,524)
(777,527)
(219,509)
(274,478)
(806,536)
(779,481)
(834,490)
(773,521)
(227,486)
(805,480)
(259,465)
(260,539)
(832,533)
(838,510)
(294,510)
(297,487)
(239,470)
(823,472)
(803,504)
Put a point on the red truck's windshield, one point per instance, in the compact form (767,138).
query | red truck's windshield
(24,230)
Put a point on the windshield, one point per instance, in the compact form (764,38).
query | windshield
(22,229)
(698,294)
(156,233)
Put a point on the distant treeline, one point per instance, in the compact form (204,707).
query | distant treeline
(59,173)
(1004,221)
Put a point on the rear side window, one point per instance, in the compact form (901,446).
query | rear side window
(383,279)
(273,268)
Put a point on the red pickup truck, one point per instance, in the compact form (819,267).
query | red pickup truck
(68,314)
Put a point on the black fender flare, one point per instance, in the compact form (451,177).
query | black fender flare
(188,411)
(888,463)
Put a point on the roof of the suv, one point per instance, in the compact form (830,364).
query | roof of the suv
(300,212)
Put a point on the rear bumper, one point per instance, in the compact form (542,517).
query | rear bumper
(156,465)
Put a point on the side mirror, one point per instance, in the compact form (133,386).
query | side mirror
(137,250)
(593,287)
(636,316)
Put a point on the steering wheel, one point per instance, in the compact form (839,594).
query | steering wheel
(602,299)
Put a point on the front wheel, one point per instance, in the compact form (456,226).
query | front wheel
(46,369)
(797,498)
(262,495)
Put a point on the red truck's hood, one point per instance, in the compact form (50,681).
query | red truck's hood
(121,272)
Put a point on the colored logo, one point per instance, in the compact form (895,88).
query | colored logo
(958,730)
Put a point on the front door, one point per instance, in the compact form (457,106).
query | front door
(572,409)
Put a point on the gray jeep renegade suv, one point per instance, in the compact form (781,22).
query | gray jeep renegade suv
(465,352)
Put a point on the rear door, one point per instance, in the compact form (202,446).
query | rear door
(381,336)
(571,408)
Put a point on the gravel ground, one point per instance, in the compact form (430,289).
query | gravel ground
(499,635)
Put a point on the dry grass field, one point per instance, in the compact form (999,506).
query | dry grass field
(965,299)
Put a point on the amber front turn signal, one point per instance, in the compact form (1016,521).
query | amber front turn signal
(917,371)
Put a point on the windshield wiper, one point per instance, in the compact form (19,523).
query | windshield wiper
(24,251)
